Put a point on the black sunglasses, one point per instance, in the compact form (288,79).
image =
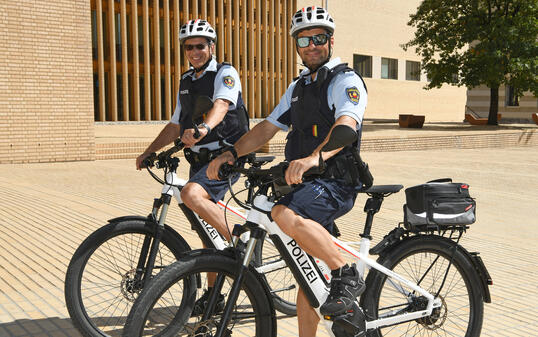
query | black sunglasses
(200,46)
(304,41)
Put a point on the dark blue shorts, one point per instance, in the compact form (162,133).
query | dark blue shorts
(321,200)
(215,188)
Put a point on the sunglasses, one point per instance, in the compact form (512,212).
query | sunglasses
(190,47)
(318,40)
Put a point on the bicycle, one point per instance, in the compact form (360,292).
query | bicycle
(444,297)
(112,266)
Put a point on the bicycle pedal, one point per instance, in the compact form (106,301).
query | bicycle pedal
(351,323)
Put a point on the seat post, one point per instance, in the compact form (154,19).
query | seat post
(371,207)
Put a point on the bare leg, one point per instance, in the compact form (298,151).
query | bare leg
(307,317)
(310,235)
(197,199)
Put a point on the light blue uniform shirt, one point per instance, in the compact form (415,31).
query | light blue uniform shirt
(337,97)
(221,90)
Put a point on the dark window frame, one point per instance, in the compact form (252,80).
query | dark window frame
(363,65)
(412,70)
(392,68)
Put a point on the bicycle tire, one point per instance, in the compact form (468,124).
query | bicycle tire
(462,309)
(96,293)
(253,302)
(281,282)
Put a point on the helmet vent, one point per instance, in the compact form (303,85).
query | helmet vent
(309,15)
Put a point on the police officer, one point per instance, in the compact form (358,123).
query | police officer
(327,93)
(221,126)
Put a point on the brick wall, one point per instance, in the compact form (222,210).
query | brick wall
(46,98)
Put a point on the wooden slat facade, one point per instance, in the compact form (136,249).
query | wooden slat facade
(253,35)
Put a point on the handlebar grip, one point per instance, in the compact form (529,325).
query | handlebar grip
(148,161)
(196,132)
(225,170)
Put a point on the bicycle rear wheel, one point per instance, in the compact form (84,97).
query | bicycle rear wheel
(99,291)
(253,314)
(425,260)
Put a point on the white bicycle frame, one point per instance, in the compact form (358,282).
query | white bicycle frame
(318,282)
(171,188)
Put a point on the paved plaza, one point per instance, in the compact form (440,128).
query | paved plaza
(48,209)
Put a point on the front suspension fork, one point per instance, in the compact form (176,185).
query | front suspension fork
(145,265)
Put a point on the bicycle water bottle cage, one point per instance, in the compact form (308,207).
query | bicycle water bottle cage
(352,323)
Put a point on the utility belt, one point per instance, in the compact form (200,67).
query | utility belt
(349,167)
(202,157)
(204,153)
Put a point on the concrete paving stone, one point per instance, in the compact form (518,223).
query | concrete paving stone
(15,329)
(74,199)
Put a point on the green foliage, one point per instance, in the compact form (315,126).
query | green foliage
(474,42)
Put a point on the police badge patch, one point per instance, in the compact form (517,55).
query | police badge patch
(229,82)
(353,95)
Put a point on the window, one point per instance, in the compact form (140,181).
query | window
(363,65)
(389,68)
(511,98)
(412,71)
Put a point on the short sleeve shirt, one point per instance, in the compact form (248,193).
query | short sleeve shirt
(224,88)
(346,93)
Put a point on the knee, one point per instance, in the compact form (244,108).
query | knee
(283,218)
(189,195)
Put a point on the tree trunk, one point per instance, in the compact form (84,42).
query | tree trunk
(493,106)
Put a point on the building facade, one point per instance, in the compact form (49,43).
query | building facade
(46,104)
(67,64)
(368,36)
(511,107)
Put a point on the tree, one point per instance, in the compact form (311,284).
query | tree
(475,42)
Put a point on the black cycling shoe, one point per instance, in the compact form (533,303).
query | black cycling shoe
(346,286)
(201,303)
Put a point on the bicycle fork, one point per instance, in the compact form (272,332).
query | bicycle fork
(222,330)
(144,273)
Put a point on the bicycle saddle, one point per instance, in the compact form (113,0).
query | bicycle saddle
(382,189)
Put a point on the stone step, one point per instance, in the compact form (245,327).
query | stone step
(512,138)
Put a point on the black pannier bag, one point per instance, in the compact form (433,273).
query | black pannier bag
(437,203)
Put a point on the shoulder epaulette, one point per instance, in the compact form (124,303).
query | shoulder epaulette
(187,73)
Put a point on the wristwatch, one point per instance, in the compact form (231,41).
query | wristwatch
(207,127)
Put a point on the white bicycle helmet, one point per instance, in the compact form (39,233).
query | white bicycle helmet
(310,17)
(197,28)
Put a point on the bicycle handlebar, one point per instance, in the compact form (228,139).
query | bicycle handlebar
(255,172)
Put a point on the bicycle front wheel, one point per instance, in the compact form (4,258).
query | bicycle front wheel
(253,314)
(277,276)
(427,261)
(99,287)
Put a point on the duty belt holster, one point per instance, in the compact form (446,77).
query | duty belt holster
(348,166)
(343,167)
(201,158)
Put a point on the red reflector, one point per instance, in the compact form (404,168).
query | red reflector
(468,208)
(464,186)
